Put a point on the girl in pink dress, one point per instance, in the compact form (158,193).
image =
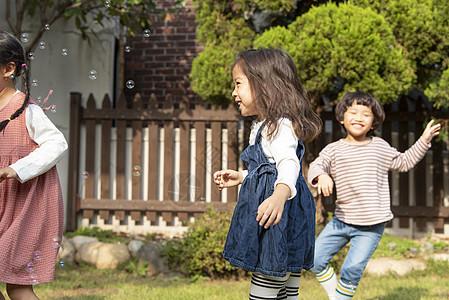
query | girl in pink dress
(31,206)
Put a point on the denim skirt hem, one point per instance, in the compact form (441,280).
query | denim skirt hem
(238,263)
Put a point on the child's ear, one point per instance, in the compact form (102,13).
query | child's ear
(8,69)
(342,122)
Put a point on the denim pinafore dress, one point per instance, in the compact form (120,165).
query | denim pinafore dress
(285,247)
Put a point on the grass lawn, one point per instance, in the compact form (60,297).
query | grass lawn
(89,283)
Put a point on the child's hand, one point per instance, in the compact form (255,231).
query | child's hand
(8,173)
(325,185)
(227,178)
(270,210)
(431,131)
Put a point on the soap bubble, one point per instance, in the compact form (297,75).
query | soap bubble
(34,82)
(53,109)
(130,84)
(137,170)
(37,255)
(93,74)
(31,55)
(47,26)
(24,37)
(85,174)
(146,33)
(56,242)
(107,4)
(42,45)
(127,49)
(61,263)
(33,279)
(29,267)
(64,52)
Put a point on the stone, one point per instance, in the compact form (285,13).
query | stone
(134,247)
(440,256)
(413,251)
(383,266)
(151,253)
(429,247)
(102,255)
(66,251)
(82,239)
(392,246)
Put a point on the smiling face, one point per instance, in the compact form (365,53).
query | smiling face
(242,93)
(358,120)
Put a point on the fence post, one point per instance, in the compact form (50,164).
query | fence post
(74,138)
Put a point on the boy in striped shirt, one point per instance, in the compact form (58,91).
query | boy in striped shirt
(358,165)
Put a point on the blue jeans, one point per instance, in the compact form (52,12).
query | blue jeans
(336,235)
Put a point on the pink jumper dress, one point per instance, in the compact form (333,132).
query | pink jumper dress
(31,213)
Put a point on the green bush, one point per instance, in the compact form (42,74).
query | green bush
(106,236)
(332,43)
(400,251)
(199,252)
(439,245)
(211,74)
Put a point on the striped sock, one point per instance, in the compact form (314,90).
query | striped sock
(328,281)
(345,290)
(267,287)
(292,286)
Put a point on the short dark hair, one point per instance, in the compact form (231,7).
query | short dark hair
(361,98)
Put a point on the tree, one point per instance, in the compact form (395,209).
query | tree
(224,30)
(343,48)
(132,15)
(421,27)
(405,47)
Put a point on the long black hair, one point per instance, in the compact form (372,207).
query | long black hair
(279,91)
(12,51)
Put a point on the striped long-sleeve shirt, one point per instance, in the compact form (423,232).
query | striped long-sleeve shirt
(360,174)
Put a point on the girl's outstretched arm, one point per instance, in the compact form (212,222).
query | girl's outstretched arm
(270,210)
(227,178)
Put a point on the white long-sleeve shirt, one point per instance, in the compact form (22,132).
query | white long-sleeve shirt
(51,141)
(280,149)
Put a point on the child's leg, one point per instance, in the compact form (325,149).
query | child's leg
(20,292)
(292,286)
(328,280)
(2,297)
(333,237)
(364,240)
(265,287)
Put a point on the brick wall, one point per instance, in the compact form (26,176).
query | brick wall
(161,63)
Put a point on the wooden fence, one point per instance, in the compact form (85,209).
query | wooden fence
(133,168)
(149,169)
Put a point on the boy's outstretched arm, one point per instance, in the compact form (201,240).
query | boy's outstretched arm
(431,131)
(227,178)
(325,184)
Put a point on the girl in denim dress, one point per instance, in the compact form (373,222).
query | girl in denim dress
(272,231)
